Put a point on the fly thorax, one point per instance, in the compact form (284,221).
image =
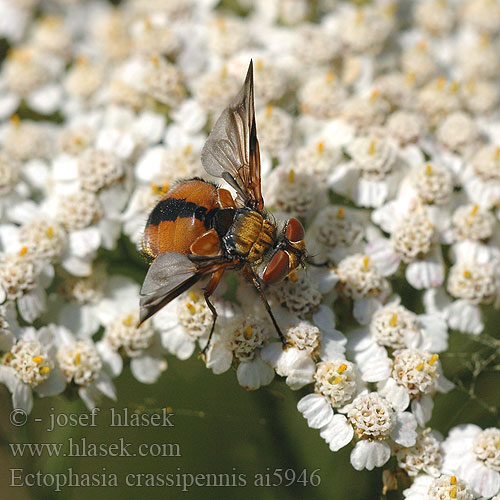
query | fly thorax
(250,235)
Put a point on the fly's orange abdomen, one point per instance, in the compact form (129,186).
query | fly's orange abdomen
(179,218)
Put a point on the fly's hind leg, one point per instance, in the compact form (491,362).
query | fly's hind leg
(212,285)
(249,273)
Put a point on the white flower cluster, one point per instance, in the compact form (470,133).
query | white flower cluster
(379,128)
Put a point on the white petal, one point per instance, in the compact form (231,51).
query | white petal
(296,365)
(419,489)
(425,273)
(149,166)
(78,266)
(394,393)
(316,410)
(176,342)
(45,100)
(65,168)
(370,454)
(324,319)
(219,357)
(483,480)
(332,345)
(8,377)
(465,317)
(338,433)
(302,372)
(190,115)
(422,409)
(84,241)
(388,216)
(434,334)
(90,396)
(254,374)
(8,102)
(105,385)
(383,256)
(112,361)
(32,304)
(405,432)
(363,310)
(147,369)
(22,397)
(370,193)
(80,319)
(374,363)
(272,353)
(117,141)
(55,384)
(338,133)
(148,127)
(435,300)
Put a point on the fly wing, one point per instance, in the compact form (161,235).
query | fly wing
(169,275)
(232,148)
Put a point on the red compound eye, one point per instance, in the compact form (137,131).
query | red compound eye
(277,268)
(294,230)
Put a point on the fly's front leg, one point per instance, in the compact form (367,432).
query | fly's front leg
(250,275)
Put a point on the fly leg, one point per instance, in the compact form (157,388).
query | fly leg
(250,275)
(212,285)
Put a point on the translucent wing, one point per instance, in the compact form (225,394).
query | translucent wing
(169,275)
(232,148)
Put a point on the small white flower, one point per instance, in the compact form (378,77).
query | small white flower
(82,365)
(479,96)
(315,45)
(419,62)
(481,177)
(151,34)
(336,381)
(119,314)
(292,192)
(99,169)
(23,279)
(364,29)
(433,183)
(415,374)
(298,293)
(457,132)
(437,99)
(25,140)
(479,283)
(374,422)
(483,15)
(372,174)
(473,454)
(335,232)
(425,456)
(470,222)
(161,80)
(359,279)
(321,95)
(427,487)
(214,90)
(226,35)
(434,16)
(30,366)
(406,126)
(413,241)
(187,320)
(275,130)
(241,341)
